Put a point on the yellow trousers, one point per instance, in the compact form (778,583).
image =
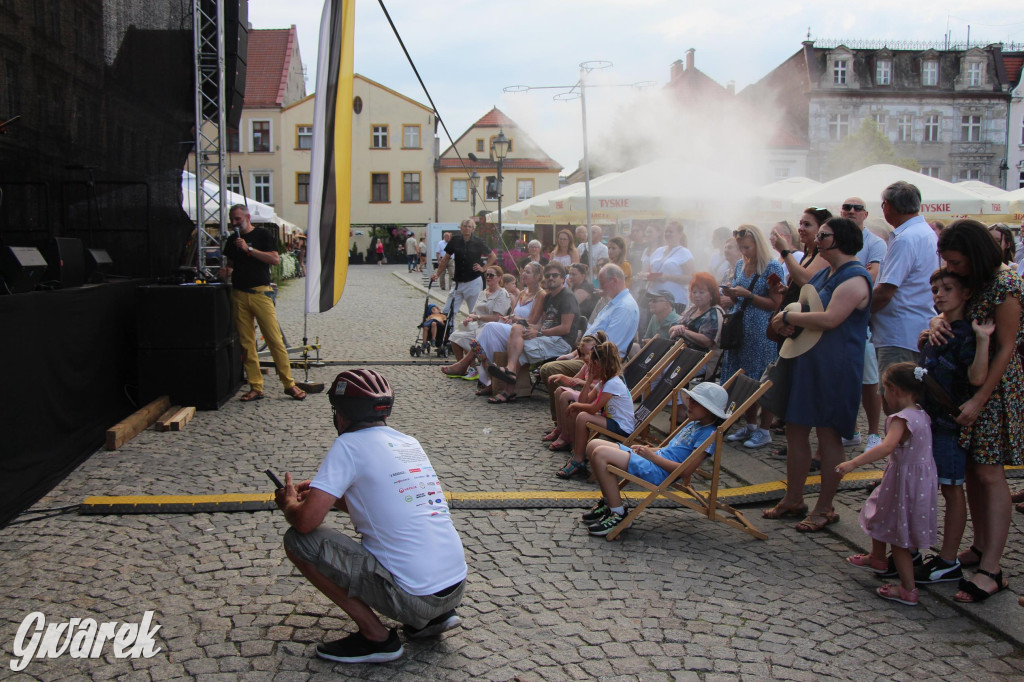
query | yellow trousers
(260,307)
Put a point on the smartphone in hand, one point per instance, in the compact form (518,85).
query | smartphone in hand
(774,280)
(274,479)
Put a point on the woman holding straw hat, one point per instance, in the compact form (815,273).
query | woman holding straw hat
(825,333)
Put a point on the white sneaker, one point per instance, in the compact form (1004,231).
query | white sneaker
(741,434)
(758,438)
(471,375)
(874,440)
(847,442)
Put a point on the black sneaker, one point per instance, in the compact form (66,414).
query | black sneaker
(605,525)
(596,513)
(357,649)
(890,570)
(443,623)
(938,570)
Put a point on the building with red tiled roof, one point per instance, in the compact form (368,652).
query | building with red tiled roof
(526,172)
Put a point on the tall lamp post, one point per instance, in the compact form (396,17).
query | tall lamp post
(499,150)
(474,182)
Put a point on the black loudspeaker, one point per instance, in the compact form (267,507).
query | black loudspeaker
(185,316)
(65,257)
(98,264)
(204,378)
(236,48)
(22,267)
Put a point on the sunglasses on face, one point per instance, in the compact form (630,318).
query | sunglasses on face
(490,275)
(739,234)
(822,236)
(853,207)
(551,275)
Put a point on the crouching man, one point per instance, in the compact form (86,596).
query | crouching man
(410,565)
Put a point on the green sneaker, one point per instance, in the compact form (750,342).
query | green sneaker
(607,524)
(596,513)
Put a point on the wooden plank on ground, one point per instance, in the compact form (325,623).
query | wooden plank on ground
(163,421)
(139,421)
(184,416)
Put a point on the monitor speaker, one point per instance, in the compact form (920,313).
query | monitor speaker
(66,259)
(22,267)
(98,264)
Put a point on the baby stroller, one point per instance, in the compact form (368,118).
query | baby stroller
(433,331)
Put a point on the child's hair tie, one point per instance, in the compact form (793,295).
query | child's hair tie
(919,373)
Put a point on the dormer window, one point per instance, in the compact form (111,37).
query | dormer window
(883,72)
(839,72)
(930,72)
(975,74)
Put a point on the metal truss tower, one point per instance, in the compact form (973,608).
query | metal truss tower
(210,126)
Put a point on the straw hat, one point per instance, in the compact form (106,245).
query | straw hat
(804,339)
(711,396)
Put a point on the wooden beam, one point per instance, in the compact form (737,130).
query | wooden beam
(163,421)
(183,416)
(139,421)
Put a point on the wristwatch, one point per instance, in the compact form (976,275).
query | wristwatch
(250,249)
(784,253)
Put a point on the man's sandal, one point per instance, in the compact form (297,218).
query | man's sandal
(976,593)
(502,374)
(296,393)
(781,512)
(817,521)
(502,399)
(251,396)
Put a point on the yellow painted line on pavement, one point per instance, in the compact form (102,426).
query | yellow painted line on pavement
(237,501)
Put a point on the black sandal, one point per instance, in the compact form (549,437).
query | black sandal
(968,564)
(977,594)
(501,374)
(502,399)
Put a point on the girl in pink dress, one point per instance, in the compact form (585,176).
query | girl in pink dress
(902,510)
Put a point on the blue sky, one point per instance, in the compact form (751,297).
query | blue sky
(468,50)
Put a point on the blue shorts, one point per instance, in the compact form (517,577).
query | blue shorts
(950,458)
(645,469)
(614,427)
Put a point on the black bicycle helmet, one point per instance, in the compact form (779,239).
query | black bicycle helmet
(361,395)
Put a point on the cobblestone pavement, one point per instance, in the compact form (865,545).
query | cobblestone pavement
(674,598)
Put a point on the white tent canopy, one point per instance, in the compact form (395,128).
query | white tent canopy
(1015,201)
(260,213)
(777,196)
(938,197)
(663,187)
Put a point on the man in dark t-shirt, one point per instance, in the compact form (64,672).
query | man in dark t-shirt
(552,337)
(250,251)
(469,253)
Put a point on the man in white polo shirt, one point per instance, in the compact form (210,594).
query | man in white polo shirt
(901,305)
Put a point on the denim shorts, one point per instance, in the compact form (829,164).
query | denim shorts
(614,427)
(950,458)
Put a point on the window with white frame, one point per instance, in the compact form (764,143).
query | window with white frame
(930,72)
(233,182)
(970,128)
(410,137)
(460,190)
(930,171)
(883,72)
(839,72)
(880,121)
(905,128)
(931,128)
(838,126)
(379,139)
(261,136)
(970,174)
(261,187)
(303,137)
(410,187)
(524,190)
(782,172)
(975,72)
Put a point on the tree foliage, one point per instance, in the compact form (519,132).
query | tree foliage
(865,147)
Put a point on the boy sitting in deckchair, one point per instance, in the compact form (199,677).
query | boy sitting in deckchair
(706,407)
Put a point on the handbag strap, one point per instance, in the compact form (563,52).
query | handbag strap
(746,301)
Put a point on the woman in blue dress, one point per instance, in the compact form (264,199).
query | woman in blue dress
(753,287)
(826,380)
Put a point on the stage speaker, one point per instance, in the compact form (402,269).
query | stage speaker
(66,259)
(22,267)
(205,378)
(236,54)
(98,264)
(190,316)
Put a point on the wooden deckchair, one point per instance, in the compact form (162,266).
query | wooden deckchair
(657,388)
(743,392)
(650,359)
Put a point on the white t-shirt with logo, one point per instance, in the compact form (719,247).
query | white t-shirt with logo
(620,405)
(397,504)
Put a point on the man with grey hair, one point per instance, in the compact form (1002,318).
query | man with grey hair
(901,304)
(595,248)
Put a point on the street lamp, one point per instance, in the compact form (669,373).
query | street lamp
(474,182)
(499,150)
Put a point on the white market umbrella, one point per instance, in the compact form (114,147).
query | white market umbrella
(995,198)
(259,212)
(776,197)
(1015,202)
(938,197)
